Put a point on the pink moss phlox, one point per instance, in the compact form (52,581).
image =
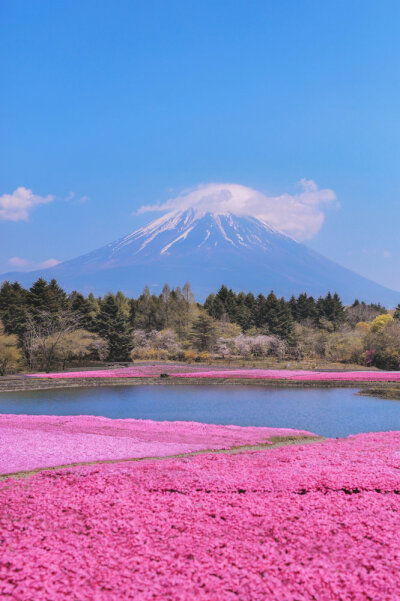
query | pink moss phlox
(303,522)
(28,441)
(176,371)
(136,371)
(270,374)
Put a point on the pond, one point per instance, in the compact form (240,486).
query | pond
(332,412)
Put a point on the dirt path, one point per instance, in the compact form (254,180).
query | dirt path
(276,441)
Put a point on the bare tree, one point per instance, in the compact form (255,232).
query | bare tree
(44,333)
(188,294)
(9,353)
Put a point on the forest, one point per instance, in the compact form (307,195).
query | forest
(43,328)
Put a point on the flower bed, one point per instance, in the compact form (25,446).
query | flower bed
(28,441)
(303,522)
(282,374)
(176,371)
(137,371)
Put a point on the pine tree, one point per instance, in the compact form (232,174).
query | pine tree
(222,294)
(214,307)
(292,303)
(283,326)
(113,325)
(84,309)
(231,306)
(273,309)
(338,314)
(203,332)
(244,316)
(13,308)
(47,297)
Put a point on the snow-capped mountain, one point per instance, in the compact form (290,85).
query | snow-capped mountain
(209,249)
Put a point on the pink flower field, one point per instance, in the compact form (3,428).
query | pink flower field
(176,371)
(298,523)
(136,371)
(28,442)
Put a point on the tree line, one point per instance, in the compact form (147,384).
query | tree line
(44,326)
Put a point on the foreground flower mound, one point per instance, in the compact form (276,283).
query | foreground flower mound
(176,371)
(28,442)
(313,522)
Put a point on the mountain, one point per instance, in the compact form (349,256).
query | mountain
(210,249)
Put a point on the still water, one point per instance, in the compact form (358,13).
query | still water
(326,411)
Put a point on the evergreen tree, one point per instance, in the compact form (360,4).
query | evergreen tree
(244,316)
(283,326)
(231,306)
(204,332)
(222,294)
(214,307)
(250,303)
(311,311)
(338,314)
(84,309)
(305,308)
(13,308)
(330,309)
(260,312)
(47,297)
(113,325)
(292,303)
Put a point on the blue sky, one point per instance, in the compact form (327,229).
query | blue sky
(107,106)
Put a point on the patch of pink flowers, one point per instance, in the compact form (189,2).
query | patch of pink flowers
(136,371)
(28,442)
(313,522)
(309,376)
(176,371)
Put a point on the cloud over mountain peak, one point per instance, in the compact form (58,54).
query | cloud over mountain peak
(300,214)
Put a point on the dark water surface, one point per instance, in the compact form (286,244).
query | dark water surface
(326,411)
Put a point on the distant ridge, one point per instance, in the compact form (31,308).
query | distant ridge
(209,249)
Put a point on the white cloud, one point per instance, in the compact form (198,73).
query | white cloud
(28,265)
(387,254)
(49,263)
(16,206)
(77,199)
(300,215)
(18,262)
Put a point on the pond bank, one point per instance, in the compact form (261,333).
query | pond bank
(388,390)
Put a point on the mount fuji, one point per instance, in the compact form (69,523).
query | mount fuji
(209,249)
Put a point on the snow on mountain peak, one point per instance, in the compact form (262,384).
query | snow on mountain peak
(199,228)
(299,214)
(208,247)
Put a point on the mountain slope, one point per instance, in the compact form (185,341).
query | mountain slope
(209,249)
